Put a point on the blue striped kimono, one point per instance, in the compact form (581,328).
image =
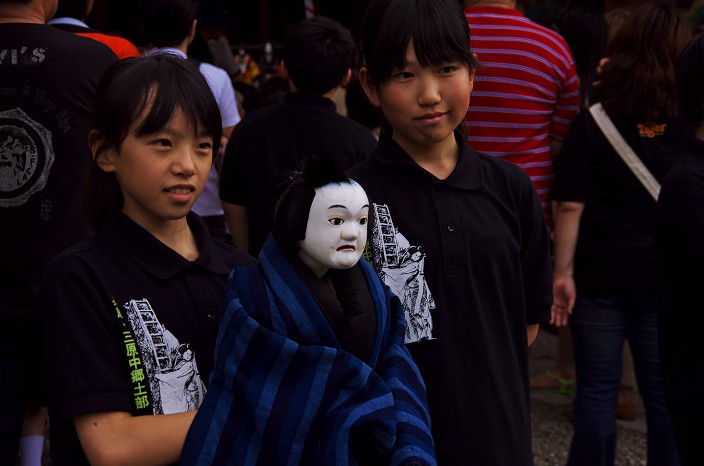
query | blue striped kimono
(283,392)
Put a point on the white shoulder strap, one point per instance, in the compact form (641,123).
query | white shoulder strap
(624,150)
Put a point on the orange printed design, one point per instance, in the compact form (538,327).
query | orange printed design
(651,131)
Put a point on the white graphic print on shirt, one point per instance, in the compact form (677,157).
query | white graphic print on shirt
(401,266)
(171,369)
(26,157)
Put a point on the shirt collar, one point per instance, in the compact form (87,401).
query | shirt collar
(156,257)
(309,100)
(67,20)
(466,175)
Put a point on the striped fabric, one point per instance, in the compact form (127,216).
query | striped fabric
(526,92)
(284,393)
(309,7)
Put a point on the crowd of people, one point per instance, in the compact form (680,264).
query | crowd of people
(341,253)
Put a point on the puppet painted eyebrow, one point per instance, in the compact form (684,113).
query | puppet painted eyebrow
(338,206)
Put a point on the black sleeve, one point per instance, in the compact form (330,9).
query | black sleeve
(235,169)
(535,256)
(85,368)
(573,180)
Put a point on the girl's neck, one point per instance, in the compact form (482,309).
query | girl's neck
(439,159)
(178,236)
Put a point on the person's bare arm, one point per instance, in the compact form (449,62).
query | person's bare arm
(118,438)
(566,233)
(238,223)
(532,331)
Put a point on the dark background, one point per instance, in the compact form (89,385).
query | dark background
(253,22)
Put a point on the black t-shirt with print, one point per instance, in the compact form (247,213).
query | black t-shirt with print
(48,80)
(469,258)
(131,326)
(615,253)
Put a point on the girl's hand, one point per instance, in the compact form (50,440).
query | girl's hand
(564,295)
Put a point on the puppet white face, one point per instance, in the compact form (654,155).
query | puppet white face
(337,228)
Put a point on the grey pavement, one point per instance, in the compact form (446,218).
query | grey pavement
(551,416)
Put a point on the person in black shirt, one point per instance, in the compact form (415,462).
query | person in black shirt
(318,54)
(132,313)
(48,80)
(605,258)
(679,233)
(458,235)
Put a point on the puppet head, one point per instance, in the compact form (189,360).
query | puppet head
(322,217)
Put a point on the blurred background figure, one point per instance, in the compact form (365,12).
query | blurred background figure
(70,17)
(170,27)
(604,254)
(680,228)
(48,80)
(318,55)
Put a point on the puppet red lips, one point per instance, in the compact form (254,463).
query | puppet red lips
(346,248)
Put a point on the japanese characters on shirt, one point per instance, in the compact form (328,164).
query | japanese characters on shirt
(163,372)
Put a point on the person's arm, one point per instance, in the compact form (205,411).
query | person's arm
(238,222)
(566,233)
(80,325)
(234,188)
(118,438)
(555,147)
(566,105)
(535,268)
(532,331)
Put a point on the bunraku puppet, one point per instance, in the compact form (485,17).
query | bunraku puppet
(311,366)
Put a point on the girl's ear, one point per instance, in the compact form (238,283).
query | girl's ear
(471,79)
(368,86)
(346,80)
(472,71)
(103,157)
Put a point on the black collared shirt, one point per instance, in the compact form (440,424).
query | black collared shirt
(274,139)
(472,252)
(131,325)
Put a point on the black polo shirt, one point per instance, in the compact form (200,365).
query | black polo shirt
(487,274)
(275,139)
(122,309)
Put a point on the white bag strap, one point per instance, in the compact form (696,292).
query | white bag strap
(624,150)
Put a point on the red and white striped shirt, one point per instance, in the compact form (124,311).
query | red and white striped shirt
(526,92)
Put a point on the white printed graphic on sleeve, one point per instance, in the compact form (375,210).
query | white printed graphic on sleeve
(401,266)
(175,382)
